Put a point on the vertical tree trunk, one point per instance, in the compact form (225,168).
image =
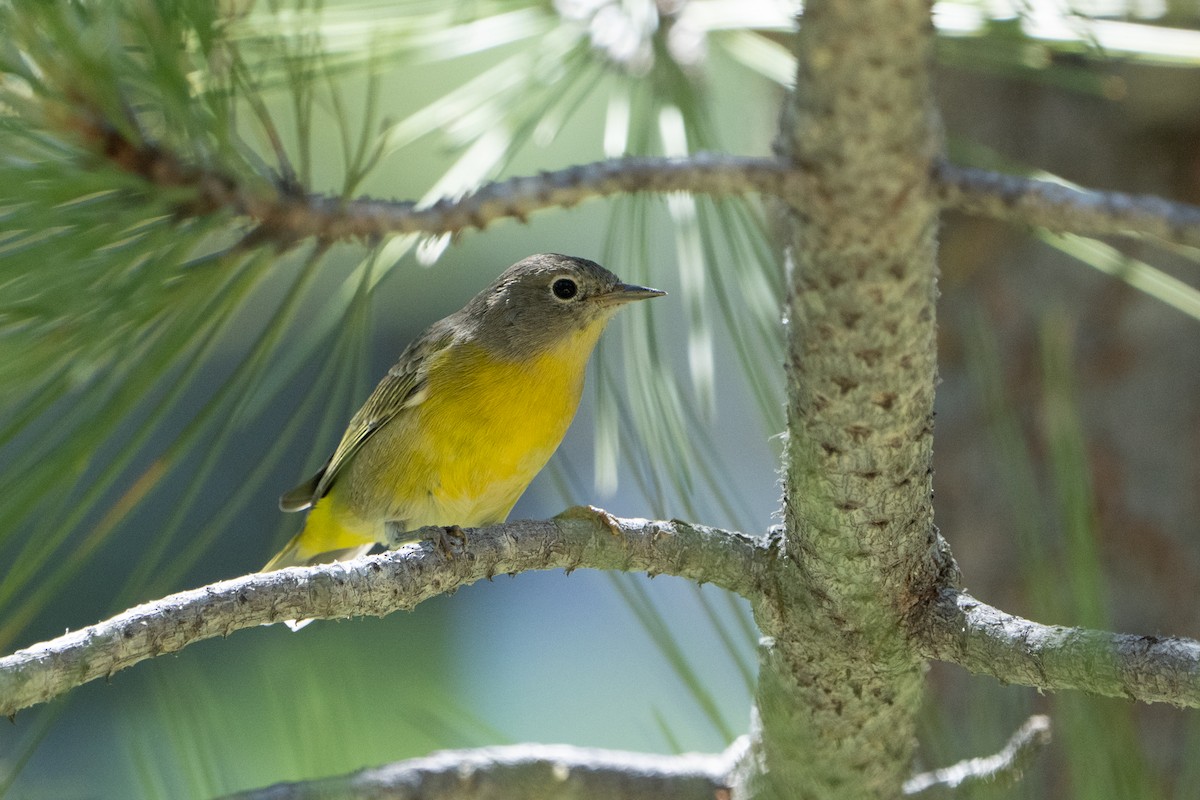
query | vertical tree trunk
(840,682)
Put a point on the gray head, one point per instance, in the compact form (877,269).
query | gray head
(541,300)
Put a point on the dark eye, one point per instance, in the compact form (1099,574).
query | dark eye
(564,288)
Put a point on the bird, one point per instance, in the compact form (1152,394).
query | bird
(470,413)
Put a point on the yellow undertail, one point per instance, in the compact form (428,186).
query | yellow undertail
(325,538)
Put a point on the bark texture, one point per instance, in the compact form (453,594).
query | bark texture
(1060,207)
(840,682)
(526,771)
(1152,669)
(285,215)
(376,585)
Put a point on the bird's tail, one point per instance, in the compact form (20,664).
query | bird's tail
(324,538)
(297,554)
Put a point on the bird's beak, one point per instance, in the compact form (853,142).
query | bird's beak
(626,293)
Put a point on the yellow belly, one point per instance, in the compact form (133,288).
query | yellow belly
(466,453)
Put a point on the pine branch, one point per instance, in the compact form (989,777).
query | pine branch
(517,198)
(1046,204)
(558,772)
(959,629)
(378,585)
(986,640)
(528,771)
(285,214)
(1003,767)
(859,542)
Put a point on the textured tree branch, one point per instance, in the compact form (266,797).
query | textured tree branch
(527,771)
(958,630)
(518,197)
(1005,766)
(375,586)
(284,214)
(838,680)
(1088,212)
(560,772)
(983,639)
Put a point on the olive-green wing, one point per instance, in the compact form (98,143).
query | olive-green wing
(403,387)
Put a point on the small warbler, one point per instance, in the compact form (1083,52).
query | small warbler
(466,418)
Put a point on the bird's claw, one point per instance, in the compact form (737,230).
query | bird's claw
(447,537)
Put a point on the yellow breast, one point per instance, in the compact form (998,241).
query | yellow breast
(465,454)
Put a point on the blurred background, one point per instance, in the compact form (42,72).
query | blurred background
(164,376)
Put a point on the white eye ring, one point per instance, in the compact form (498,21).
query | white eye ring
(564,289)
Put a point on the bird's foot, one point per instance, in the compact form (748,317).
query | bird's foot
(448,538)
